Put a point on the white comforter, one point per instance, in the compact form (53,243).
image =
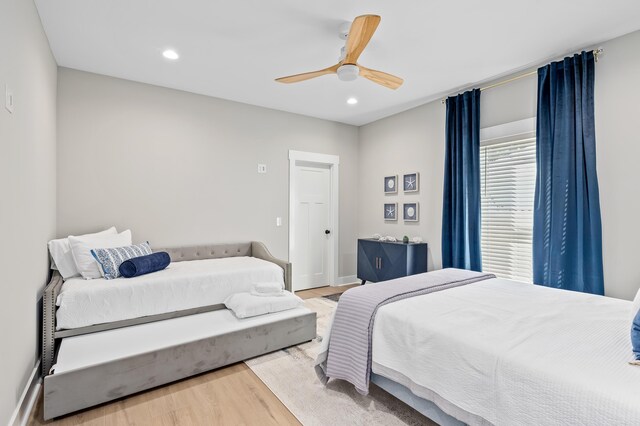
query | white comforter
(511,353)
(182,285)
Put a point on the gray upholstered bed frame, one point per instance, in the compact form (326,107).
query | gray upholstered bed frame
(60,388)
(425,407)
(177,254)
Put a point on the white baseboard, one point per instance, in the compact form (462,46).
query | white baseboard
(350,279)
(28,399)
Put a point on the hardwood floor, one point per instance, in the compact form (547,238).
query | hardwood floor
(231,395)
(324,291)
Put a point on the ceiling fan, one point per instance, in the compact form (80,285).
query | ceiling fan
(348,69)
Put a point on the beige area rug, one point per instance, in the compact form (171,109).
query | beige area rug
(290,375)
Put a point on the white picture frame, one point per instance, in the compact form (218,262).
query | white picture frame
(411,182)
(391,184)
(391,212)
(411,212)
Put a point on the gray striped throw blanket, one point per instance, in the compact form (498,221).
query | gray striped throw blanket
(346,348)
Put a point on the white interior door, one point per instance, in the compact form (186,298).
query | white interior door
(312,233)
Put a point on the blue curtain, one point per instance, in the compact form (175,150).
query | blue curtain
(567,231)
(461,201)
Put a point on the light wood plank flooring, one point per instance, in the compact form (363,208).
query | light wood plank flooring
(324,291)
(232,395)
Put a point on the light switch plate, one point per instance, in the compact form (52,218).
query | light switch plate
(8,99)
(262,168)
(278,221)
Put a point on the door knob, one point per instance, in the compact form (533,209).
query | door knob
(326,231)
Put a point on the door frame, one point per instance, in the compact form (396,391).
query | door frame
(333,163)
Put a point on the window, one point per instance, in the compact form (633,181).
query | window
(508,173)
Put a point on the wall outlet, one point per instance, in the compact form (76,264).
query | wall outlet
(262,168)
(8,99)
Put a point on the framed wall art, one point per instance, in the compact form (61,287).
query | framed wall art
(411,182)
(391,211)
(391,184)
(410,212)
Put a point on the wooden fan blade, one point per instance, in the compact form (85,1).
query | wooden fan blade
(307,75)
(382,78)
(361,31)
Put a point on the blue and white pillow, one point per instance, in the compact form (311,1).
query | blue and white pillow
(635,339)
(110,259)
(635,329)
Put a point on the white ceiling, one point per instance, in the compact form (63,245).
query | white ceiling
(234,49)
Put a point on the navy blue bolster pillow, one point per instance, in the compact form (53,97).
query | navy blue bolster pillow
(145,264)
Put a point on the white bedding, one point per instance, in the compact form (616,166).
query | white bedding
(182,285)
(96,348)
(513,354)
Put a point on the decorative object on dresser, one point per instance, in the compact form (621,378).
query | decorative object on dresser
(391,211)
(381,261)
(391,184)
(411,182)
(410,212)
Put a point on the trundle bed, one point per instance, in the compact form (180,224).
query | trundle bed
(95,349)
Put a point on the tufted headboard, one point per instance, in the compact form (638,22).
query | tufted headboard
(215,251)
(209,251)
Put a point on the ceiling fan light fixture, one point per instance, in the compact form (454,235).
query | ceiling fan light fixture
(348,72)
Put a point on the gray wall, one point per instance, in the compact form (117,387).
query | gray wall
(414,141)
(618,151)
(404,143)
(27,190)
(179,168)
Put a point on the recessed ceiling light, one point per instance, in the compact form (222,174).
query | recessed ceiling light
(170,54)
(352,101)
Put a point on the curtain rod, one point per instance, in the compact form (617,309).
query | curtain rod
(596,53)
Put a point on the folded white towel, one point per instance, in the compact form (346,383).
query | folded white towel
(245,305)
(267,289)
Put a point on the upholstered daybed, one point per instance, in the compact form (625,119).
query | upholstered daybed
(91,364)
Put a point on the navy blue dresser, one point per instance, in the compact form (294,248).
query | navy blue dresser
(381,261)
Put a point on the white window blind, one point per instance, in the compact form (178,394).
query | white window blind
(507,173)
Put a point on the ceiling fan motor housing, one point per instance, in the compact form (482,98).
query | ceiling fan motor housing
(343,31)
(348,72)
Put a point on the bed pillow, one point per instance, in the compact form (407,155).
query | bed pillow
(81,249)
(145,264)
(635,338)
(245,305)
(635,307)
(62,258)
(110,259)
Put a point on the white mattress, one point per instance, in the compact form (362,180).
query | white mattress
(95,348)
(183,285)
(513,354)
